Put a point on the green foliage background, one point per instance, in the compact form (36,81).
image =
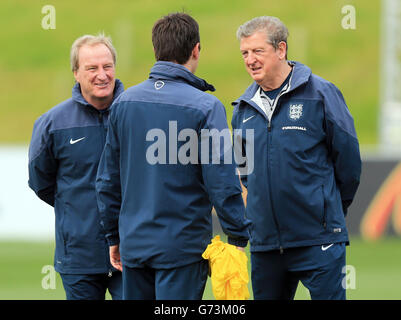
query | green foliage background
(34,63)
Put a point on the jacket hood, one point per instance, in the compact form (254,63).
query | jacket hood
(172,71)
(301,74)
(77,95)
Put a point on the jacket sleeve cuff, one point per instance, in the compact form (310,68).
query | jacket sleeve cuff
(346,204)
(113,240)
(237,242)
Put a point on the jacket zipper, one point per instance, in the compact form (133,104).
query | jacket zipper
(270,191)
(100,116)
(269,129)
(101,120)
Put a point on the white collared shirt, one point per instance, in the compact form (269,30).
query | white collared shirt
(265,103)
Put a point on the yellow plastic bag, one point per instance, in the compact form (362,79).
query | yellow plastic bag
(229,270)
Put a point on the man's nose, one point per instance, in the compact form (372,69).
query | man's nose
(250,59)
(102,75)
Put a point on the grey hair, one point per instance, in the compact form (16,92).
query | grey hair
(275,29)
(90,40)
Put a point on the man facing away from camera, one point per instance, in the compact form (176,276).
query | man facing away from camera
(307,172)
(155,198)
(67,142)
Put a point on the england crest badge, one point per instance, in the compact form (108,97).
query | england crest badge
(295,111)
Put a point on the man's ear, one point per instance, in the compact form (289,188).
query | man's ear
(196,51)
(76,75)
(282,50)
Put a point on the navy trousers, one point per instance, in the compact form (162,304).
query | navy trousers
(275,275)
(183,283)
(92,286)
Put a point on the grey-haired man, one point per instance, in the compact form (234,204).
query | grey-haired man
(64,153)
(307,172)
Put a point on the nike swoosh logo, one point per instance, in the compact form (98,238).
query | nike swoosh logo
(245,120)
(75,141)
(324,248)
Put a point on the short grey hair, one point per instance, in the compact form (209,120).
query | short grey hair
(275,29)
(90,40)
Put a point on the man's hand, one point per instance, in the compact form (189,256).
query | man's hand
(241,249)
(115,257)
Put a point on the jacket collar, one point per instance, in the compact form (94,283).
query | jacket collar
(165,70)
(77,95)
(300,75)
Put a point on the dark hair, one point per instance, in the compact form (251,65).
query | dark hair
(174,37)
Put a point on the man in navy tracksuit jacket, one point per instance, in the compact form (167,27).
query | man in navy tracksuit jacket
(156,187)
(306,173)
(64,153)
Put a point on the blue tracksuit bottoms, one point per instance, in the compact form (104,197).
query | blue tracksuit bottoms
(182,283)
(275,275)
(92,286)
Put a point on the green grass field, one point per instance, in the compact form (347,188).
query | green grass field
(377,268)
(35,70)
(36,75)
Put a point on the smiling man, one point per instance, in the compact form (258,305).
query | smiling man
(93,67)
(307,173)
(64,153)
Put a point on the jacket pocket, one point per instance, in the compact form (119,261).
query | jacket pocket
(63,233)
(324,209)
(61,245)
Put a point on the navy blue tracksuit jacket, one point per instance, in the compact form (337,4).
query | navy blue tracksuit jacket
(67,142)
(155,206)
(306,163)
